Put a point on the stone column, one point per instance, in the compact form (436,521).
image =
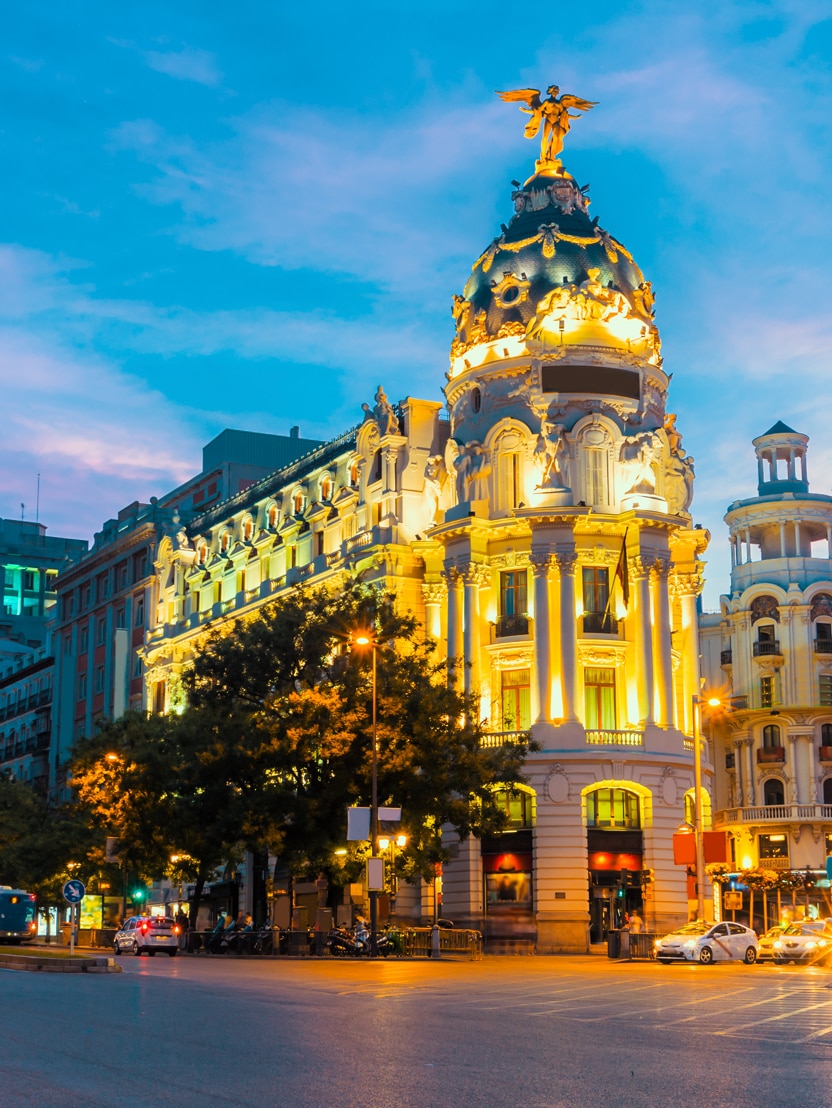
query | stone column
(565,561)
(782,540)
(433,594)
(541,562)
(739,770)
(640,576)
(474,577)
(795,792)
(662,643)
(811,767)
(454,583)
(750,787)
(688,586)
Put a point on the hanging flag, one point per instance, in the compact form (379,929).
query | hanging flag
(622,572)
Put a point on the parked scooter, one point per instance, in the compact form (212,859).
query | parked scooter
(355,942)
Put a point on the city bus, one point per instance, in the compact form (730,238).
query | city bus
(17,915)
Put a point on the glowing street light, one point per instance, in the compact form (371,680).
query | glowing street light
(365,639)
(696,707)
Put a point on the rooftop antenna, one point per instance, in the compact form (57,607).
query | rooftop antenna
(22,506)
(37,503)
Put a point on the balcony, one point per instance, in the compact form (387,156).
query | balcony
(615,738)
(508,626)
(825,754)
(599,623)
(771,754)
(493,739)
(726,658)
(823,646)
(774,813)
(765,648)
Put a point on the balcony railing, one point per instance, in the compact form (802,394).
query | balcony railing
(771,754)
(615,738)
(511,625)
(492,739)
(823,646)
(599,623)
(725,658)
(774,813)
(766,647)
(825,754)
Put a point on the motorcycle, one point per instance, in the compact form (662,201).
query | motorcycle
(355,942)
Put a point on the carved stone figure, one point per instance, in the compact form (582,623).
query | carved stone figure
(678,483)
(553,113)
(385,417)
(550,456)
(473,467)
(637,455)
(436,477)
(674,437)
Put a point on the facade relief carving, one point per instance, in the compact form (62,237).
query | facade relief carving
(551,456)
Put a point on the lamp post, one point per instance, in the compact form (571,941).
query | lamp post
(364,639)
(696,710)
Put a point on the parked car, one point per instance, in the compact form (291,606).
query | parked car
(708,942)
(765,951)
(146,935)
(807,941)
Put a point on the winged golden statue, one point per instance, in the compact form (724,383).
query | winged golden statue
(553,113)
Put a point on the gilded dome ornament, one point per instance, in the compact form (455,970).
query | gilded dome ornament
(553,114)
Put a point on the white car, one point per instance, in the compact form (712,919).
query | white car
(808,941)
(708,942)
(146,935)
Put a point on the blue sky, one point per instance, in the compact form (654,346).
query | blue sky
(250,217)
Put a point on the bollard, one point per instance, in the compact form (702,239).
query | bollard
(434,941)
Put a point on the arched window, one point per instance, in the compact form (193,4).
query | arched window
(616,808)
(248,529)
(298,502)
(354,475)
(690,808)
(826,734)
(476,399)
(202,553)
(225,542)
(827,791)
(773,793)
(517,805)
(771,736)
(326,488)
(272,517)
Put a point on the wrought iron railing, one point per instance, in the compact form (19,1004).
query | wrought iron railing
(511,625)
(599,623)
(725,658)
(766,647)
(823,646)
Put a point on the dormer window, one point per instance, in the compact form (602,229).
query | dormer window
(202,553)
(354,475)
(248,529)
(272,517)
(298,502)
(225,542)
(325,488)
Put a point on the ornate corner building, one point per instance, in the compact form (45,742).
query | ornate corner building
(543,535)
(769,651)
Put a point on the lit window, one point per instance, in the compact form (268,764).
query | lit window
(826,690)
(516,708)
(768,692)
(599,699)
(618,808)
(517,806)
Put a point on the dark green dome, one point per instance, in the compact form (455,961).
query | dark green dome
(550,242)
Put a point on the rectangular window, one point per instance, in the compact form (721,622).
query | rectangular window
(137,668)
(99,679)
(597,481)
(120,618)
(84,640)
(513,592)
(82,686)
(825,690)
(773,846)
(768,693)
(516,699)
(139,617)
(29,576)
(596,581)
(101,632)
(599,699)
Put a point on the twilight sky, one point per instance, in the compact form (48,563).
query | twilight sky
(249,217)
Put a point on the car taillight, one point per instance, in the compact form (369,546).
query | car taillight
(176,929)
(145,928)
(33,926)
(32,896)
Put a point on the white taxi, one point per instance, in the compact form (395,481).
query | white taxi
(708,942)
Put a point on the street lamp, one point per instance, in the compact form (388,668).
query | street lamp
(363,638)
(696,708)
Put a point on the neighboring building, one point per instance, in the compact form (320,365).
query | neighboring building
(769,653)
(107,600)
(30,561)
(505,531)
(26,715)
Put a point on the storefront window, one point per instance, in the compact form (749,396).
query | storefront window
(773,846)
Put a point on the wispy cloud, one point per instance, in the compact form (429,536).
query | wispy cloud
(187,64)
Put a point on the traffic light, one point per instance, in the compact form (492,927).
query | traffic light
(627,879)
(646,877)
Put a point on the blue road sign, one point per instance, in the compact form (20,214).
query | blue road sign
(829,866)
(74,891)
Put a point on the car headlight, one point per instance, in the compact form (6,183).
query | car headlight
(810,945)
(778,945)
(690,944)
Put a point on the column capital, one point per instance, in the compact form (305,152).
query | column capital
(475,573)
(565,560)
(687,584)
(434,592)
(641,565)
(541,561)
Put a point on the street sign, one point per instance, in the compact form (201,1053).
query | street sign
(74,891)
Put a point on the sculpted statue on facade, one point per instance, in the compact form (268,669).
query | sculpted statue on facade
(473,467)
(385,417)
(553,114)
(637,456)
(436,479)
(551,456)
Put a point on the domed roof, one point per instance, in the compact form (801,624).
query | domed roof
(551,249)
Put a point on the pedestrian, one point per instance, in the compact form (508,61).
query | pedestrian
(636,923)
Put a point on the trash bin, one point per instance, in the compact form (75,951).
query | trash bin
(613,944)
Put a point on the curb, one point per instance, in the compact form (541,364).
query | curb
(35,964)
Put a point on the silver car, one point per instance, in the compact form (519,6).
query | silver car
(708,942)
(807,941)
(146,935)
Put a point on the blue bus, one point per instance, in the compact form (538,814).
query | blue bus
(17,915)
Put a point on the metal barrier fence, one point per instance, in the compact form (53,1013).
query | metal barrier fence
(419,941)
(641,945)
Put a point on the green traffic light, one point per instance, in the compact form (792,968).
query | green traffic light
(139,894)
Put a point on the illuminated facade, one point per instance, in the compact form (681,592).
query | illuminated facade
(769,650)
(543,535)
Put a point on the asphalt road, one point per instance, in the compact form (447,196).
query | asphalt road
(401,1034)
